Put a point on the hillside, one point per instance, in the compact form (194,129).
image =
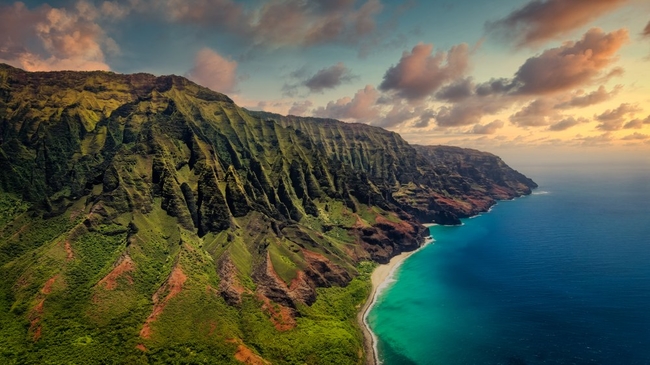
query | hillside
(147,219)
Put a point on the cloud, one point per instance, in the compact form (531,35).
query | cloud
(459,90)
(362,107)
(595,141)
(213,71)
(636,136)
(541,20)
(636,123)
(534,114)
(399,113)
(470,111)
(570,65)
(46,38)
(118,10)
(419,73)
(424,119)
(225,14)
(581,100)
(646,30)
(277,23)
(545,83)
(489,128)
(567,123)
(328,78)
(612,119)
(300,108)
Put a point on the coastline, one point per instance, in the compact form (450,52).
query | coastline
(379,279)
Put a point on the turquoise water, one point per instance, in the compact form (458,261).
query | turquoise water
(558,277)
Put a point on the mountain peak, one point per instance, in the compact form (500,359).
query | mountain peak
(156,215)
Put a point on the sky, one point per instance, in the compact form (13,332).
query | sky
(541,79)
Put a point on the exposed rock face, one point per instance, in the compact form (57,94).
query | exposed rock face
(230,287)
(478,168)
(271,286)
(323,272)
(147,175)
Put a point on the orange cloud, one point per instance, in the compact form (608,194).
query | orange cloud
(300,108)
(68,39)
(636,136)
(361,107)
(541,20)
(613,119)
(570,65)
(581,100)
(419,73)
(534,114)
(214,71)
(567,123)
(489,128)
(471,111)
(637,123)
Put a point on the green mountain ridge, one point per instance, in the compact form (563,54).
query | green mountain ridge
(148,219)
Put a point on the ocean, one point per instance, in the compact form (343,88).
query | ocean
(558,277)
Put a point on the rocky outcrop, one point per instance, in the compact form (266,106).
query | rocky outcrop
(230,288)
(147,174)
(322,272)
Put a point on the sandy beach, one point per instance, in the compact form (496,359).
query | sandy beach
(379,278)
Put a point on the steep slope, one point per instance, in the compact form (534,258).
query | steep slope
(434,183)
(481,178)
(148,219)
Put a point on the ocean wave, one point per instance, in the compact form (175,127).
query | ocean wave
(541,192)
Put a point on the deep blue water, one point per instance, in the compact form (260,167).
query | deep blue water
(558,277)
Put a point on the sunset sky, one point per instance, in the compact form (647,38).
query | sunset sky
(554,78)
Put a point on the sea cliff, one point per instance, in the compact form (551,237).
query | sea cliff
(145,219)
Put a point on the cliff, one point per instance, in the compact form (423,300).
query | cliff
(149,219)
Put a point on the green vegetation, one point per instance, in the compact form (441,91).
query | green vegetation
(150,220)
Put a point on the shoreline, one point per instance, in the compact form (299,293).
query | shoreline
(379,280)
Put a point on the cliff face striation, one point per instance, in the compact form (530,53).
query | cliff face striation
(149,219)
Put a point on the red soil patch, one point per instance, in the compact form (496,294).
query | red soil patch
(311,255)
(402,226)
(210,290)
(68,251)
(141,347)
(37,311)
(38,308)
(171,287)
(247,356)
(34,319)
(75,213)
(359,223)
(37,333)
(47,288)
(124,265)
(298,280)
(281,316)
(458,205)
